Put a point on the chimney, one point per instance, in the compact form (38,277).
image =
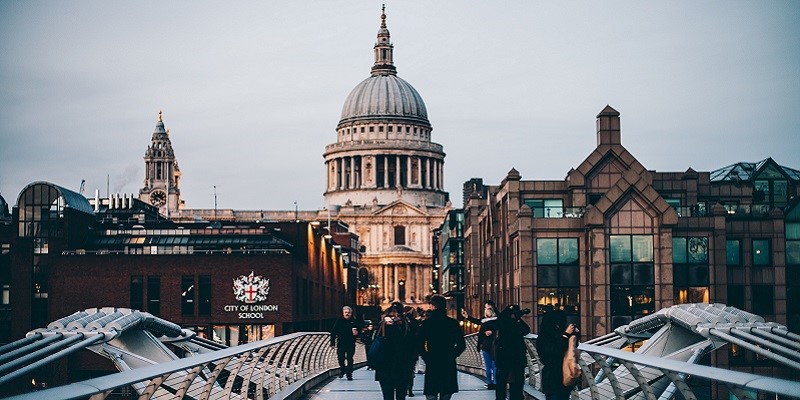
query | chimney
(608,127)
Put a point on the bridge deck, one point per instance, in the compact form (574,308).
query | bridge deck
(364,386)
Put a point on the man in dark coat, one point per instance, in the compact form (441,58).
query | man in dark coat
(343,336)
(440,341)
(510,352)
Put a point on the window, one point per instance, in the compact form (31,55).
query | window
(187,295)
(736,296)
(154,295)
(204,294)
(763,299)
(632,277)
(546,208)
(558,275)
(733,253)
(793,243)
(761,252)
(137,293)
(5,296)
(690,269)
(399,235)
(676,204)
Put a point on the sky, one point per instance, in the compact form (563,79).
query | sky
(252,91)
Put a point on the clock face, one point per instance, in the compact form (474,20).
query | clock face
(158,198)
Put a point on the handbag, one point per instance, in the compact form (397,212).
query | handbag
(376,355)
(570,369)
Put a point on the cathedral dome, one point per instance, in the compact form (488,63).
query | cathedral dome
(384,96)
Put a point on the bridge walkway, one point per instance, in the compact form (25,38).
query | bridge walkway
(364,386)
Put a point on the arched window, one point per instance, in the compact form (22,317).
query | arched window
(399,235)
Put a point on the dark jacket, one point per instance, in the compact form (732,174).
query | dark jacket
(509,344)
(486,343)
(342,333)
(400,350)
(551,351)
(440,342)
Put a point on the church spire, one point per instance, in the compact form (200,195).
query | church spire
(384,64)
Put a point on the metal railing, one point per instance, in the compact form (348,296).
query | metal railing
(276,368)
(610,373)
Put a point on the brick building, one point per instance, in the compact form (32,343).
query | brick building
(614,241)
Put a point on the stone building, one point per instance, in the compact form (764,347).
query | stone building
(385,180)
(614,241)
(162,186)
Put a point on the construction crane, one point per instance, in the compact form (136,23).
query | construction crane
(83,186)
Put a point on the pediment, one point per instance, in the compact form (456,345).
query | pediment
(630,185)
(605,158)
(399,208)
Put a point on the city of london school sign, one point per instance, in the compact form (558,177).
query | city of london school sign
(250,290)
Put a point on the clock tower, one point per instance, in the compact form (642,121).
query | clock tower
(162,175)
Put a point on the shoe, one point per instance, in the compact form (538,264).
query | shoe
(341,374)
(349,378)
(491,386)
(410,394)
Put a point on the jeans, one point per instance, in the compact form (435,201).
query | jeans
(491,368)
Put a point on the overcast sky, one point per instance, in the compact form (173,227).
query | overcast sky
(252,91)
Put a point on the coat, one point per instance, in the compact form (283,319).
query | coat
(551,351)
(440,341)
(342,333)
(509,344)
(401,353)
(486,343)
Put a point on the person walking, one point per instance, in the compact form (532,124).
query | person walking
(394,373)
(510,352)
(486,337)
(440,342)
(554,334)
(343,335)
(367,333)
(413,319)
(477,321)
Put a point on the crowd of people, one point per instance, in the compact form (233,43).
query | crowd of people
(410,337)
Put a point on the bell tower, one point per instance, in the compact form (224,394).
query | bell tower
(161,172)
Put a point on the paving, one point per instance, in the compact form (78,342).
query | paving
(364,386)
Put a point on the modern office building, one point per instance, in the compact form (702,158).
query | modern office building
(614,241)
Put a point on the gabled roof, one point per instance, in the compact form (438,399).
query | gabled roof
(399,207)
(746,171)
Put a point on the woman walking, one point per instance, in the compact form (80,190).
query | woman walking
(394,374)
(554,334)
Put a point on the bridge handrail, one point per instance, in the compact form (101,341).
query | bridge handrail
(313,344)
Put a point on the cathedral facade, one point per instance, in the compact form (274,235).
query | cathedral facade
(385,181)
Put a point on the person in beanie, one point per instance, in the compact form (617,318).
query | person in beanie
(510,352)
(343,335)
(440,342)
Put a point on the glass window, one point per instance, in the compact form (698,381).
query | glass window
(642,248)
(137,292)
(568,251)
(697,249)
(761,255)
(733,252)
(679,250)
(547,251)
(546,208)
(620,248)
(154,295)
(736,296)
(399,235)
(763,299)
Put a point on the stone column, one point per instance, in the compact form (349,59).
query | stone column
(396,281)
(427,172)
(408,174)
(419,171)
(397,171)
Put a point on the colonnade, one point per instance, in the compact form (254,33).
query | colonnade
(412,276)
(385,171)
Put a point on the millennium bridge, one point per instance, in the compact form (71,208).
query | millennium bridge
(158,359)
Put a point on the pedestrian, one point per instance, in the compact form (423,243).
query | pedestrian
(366,336)
(554,334)
(413,319)
(510,352)
(440,342)
(486,337)
(343,335)
(477,321)
(394,374)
